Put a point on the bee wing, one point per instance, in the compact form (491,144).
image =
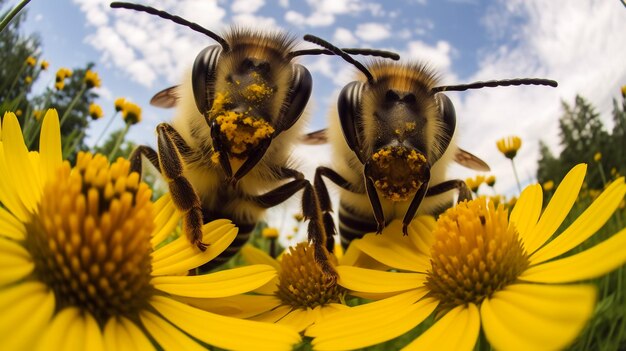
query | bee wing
(466,159)
(165,98)
(317,137)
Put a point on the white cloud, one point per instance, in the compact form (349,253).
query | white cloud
(206,13)
(577,43)
(247,6)
(257,22)
(340,72)
(316,19)
(283,3)
(372,31)
(438,56)
(344,37)
(324,12)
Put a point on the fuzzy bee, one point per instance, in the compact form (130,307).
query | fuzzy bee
(393,137)
(226,153)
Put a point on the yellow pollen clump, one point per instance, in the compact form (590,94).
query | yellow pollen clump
(257,92)
(91,237)
(302,283)
(220,100)
(243,132)
(398,172)
(215,158)
(476,253)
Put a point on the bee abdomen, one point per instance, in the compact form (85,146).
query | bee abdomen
(353,225)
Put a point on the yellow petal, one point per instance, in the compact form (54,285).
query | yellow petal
(93,335)
(17,159)
(253,255)
(536,317)
(239,306)
(120,334)
(421,233)
(225,332)
(526,211)
(166,219)
(166,335)
(353,256)
(219,284)
(64,332)
(558,208)
(11,227)
(299,319)
(273,315)
(9,192)
(371,281)
(50,145)
(26,310)
(15,262)
(393,249)
(456,330)
(180,256)
(588,264)
(371,323)
(585,225)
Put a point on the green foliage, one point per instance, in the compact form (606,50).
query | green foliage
(583,135)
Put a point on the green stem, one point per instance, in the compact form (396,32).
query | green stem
(105,129)
(519,186)
(13,13)
(71,106)
(118,142)
(32,135)
(68,150)
(602,174)
(17,77)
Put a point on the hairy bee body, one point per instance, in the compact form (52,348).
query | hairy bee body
(219,199)
(355,211)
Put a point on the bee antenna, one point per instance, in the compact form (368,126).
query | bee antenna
(337,51)
(178,20)
(351,51)
(496,83)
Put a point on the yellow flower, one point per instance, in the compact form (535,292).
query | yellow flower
(59,85)
(44,65)
(509,146)
(549,185)
(298,217)
(31,61)
(491,180)
(269,233)
(131,113)
(38,114)
(597,156)
(298,297)
(92,80)
(485,270)
(474,183)
(63,73)
(119,104)
(81,268)
(18,113)
(95,111)
(28,79)
(624,91)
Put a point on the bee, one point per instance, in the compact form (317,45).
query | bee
(393,137)
(226,153)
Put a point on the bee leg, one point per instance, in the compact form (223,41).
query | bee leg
(413,206)
(464,192)
(220,148)
(376,206)
(310,210)
(255,156)
(171,145)
(149,153)
(324,199)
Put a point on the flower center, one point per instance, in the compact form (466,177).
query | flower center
(476,253)
(91,237)
(302,283)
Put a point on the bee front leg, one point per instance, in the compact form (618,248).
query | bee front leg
(310,210)
(464,192)
(324,200)
(149,153)
(413,206)
(171,145)
(376,206)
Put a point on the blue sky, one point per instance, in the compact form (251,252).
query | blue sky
(578,43)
